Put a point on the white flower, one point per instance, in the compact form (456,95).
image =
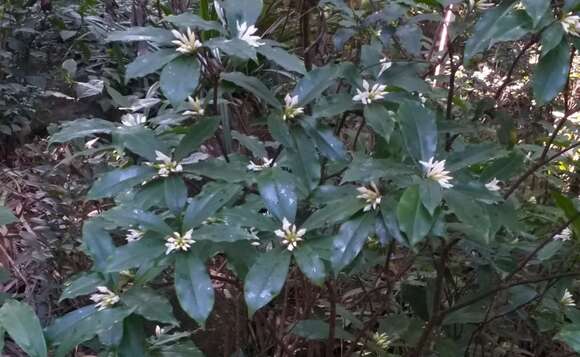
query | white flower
(105,298)
(435,170)
(196,107)
(567,299)
(368,94)
(133,235)
(91,143)
(385,64)
(165,165)
(565,235)
(266,163)
(246,34)
(133,119)
(493,185)
(484,5)
(159,331)
(571,25)
(186,42)
(291,108)
(290,235)
(179,242)
(371,195)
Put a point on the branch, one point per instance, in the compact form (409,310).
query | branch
(508,78)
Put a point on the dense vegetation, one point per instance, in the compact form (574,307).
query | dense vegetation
(290,178)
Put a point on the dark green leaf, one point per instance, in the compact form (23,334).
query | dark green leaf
(150,305)
(279,130)
(410,37)
(180,78)
(126,216)
(135,34)
(570,334)
(266,279)
(469,212)
(281,57)
(133,338)
(413,217)
(325,140)
(21,323)
(310,263)
(419,130)
(318,330)
(187,20)
(150,63)
(431,194)
(304,159)
(314,83)
(349,241)
(98,242)
(213,197)
(222,233)
(81,285)
(119,180)
(566,205)
(552,37)
(233,47)
(241,11)
(175,193)
(135,254)
(252,143)
(232,172)
(279,195)
(335,211)
(199,132)
(193,287)
(253,85)
(6,216)
(186,349)
(368,169)
(380,119)
(81,128)
(536,9)
(551,73)
(141,141)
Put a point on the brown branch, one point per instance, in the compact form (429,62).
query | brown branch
(508,77)
(332,322)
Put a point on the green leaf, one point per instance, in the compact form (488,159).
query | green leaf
(499,24)
(134,34)
(279,195)
(570,334)
(192,21)
(334,211)
(252,143)
(241,11)
(222,233)
(473,154)
(119,180)
(81,128)
(314,83)
(304,159)
(551,37)
(233,47)
(98,242)
(266,279)
(410,36)
(431,194)
(21,323)
(180,78)
(310,263)
(551,73)
(193,287)
(414,219)
(82,285)
(175,193)
(133,338)
(567,206)
(247,217)
(150,63)
(504,168)
(63,325)
(367,169)
(232,172)
(213,197)
(126,216)
(536,9)
(141,141)
(135,254)
(380,119)
(279,130)
(281,57)
(6,216)
(324,139)
(349,241)
(253,85)
(470,212)
(2,333)
(185,349)
(149,304)
(199,132)
(419,130)
(318,330)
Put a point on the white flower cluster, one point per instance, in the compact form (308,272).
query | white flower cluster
(291,108)
(266,163)
(371,195)
(196,107)
(435,170)
(186,43)
(165,165)
(290,234)
(370,94)
(179,242)
(105,298)
(246,34)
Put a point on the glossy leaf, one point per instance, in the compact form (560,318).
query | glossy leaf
(469,212)
(327,143)
(347,244)
(314,83)
(551,73)
(199,132)
(6,216)
(187,20)
(536,9)
(266,279)
(180,78)
(334,212)
(135,254)
(380,120)
(279,195)
(149,304)
(175,193)
(98,242)
(419,130)
(282,58)
(233,47)
(135,34)
(209,201)
(81,285)
(570,334)
(81,128)
(304,159)
(150,63)
(119,180)
(253,85)
(22,325)
(141,141)
(193,287)
(414,219)
(310,263)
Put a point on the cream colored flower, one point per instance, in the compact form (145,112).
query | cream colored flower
(483,5)
(493,185)
(186,42)
(176,241)
(385,65)
(291,108)
(571,25)
(196,107)
(133,235)
(133,119)
(567,299)
(165,165)
(266,163)
(290,235)
(371,195)
(91,143)
(105,298)
(565,235)
(368,94)
(435,170)
(246,34)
